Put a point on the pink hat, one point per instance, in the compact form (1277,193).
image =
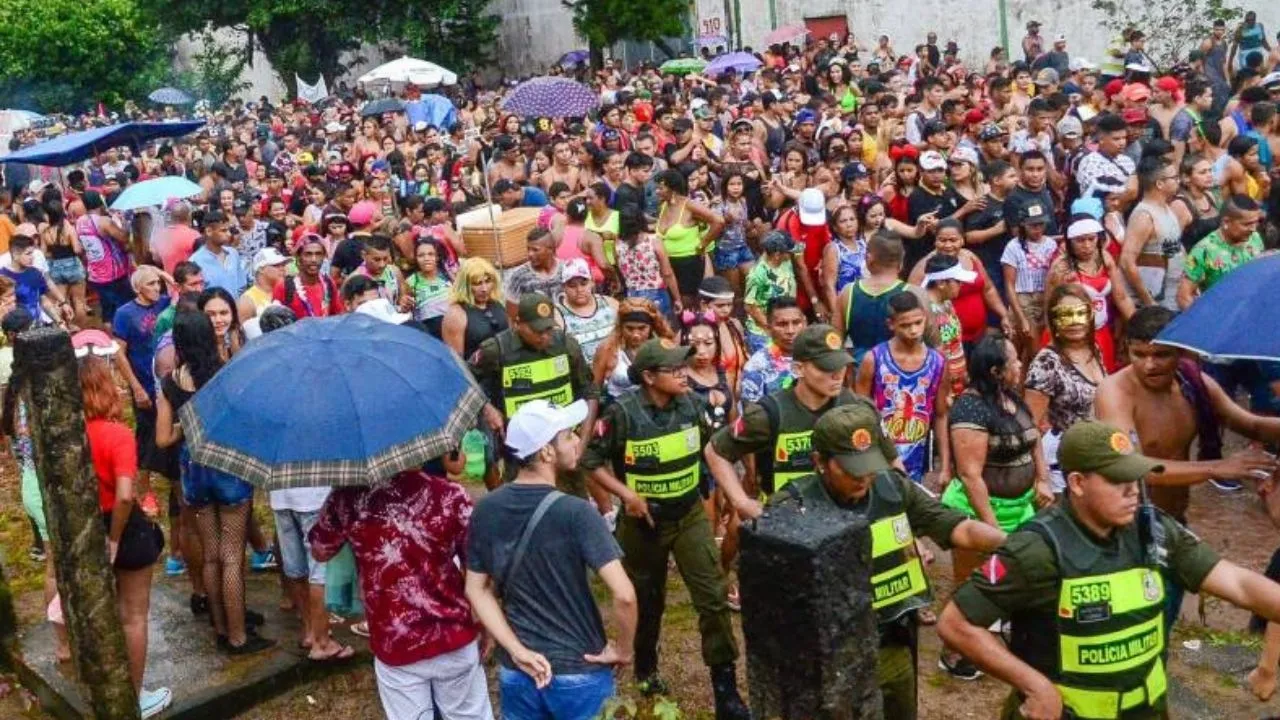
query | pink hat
(1135,93)
(363,212)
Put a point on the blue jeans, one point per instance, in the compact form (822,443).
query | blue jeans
(731,257)
(568,697)
(660,297)
(202,485)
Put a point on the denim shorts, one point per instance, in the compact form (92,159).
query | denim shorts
(659,296)
(731,257)
(568,697)
(296,562)
(66,271)
(202,485)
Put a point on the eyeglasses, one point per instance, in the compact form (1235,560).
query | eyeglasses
(674,370)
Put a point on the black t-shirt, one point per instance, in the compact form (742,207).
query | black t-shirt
(347,256)
(236,174)
(548,599)
(628,198)
(922,202)
(990,251)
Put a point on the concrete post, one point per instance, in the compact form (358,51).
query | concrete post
(43,358)
(810,633)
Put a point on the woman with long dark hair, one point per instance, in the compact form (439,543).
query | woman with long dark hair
(1001,476)
(217,305)
(221,503)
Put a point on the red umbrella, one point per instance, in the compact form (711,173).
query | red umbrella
(785,34)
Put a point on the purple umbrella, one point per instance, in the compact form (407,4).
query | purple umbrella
(550,97)
(574,58)
(741,62)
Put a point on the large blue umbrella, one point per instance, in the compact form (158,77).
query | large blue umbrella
(77,146)
(156,192)
(1235,318)
(169,96)
(349,400)
(551,97)
(741,62)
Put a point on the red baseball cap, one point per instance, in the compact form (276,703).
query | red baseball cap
(1169,84)
(1113,88)
(975,117)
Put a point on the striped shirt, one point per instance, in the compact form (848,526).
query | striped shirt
(1031,265)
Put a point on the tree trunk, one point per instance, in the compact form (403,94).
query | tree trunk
(8,620)
(43,358)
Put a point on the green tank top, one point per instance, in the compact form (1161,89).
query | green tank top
(610,225)
(680,241)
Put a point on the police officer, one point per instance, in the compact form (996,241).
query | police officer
(647,453)
(851,473)
(1082,585)
(776,430)
(534,359)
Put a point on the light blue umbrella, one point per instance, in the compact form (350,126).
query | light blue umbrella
(346,400)
(156,192)
(169,96)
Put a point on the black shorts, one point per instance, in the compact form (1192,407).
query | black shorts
(141,542)
(150,457)
(689,272)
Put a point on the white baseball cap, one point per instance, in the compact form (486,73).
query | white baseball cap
(955,272)
(575,268)
(537,423)
(812,207)
(1085,226)
(1078,63)
(266,257)
(382,310)
(932,160)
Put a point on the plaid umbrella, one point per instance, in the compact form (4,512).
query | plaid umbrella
(683,66)
(550,97)
(169,96)
(347,400)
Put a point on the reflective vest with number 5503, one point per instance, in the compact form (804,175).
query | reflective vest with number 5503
(661,461)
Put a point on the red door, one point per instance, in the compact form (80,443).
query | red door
(820,28)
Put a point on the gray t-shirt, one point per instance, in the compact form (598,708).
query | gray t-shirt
(548,600)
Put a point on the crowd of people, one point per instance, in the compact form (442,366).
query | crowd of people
(923,292)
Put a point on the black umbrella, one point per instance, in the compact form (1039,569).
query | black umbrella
(381,106)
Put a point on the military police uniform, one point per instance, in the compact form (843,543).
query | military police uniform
(512,373)
(656,452)
(897,510)
(777,429)
(1088,612)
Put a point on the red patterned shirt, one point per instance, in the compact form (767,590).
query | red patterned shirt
(409,536)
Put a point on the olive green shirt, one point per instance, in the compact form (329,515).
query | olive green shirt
(1031,582)
(486,367)
(751,433)
(928,517)
(612,432)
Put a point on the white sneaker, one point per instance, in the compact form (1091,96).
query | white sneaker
(153,702)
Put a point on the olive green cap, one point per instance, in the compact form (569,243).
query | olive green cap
(1097,447)
(822,346)
(848,434)
(537,312)
(660,352)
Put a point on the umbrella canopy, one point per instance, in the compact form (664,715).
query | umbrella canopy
(77,146)
(683,66)
(169,96)
(410,70)
(155,193)
(347,400)
(1231,320)
(550,97)
(381,106)
(432,109)
(574,58)
(786,34)
(741,62)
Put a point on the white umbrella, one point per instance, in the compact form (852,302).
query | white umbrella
(410,70)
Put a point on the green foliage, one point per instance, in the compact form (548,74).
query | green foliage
(605,22)
(215,75)
(60,55)
(1173,27)
(457,34)
(625,708)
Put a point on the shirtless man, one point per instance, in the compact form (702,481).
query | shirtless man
(507,164)
(1149,400)
(562,168)
(1165,103)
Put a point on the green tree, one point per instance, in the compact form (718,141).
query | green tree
(62,55)
(1173,27)
(215,73)
(457,34)
(605,22)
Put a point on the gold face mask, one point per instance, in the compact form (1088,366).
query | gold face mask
(1071,316)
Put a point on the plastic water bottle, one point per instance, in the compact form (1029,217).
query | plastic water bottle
(474,445)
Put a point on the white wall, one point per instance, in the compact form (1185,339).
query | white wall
(533,35)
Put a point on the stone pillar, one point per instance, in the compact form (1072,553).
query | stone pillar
(811,637)
(8,620)
(46,364)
